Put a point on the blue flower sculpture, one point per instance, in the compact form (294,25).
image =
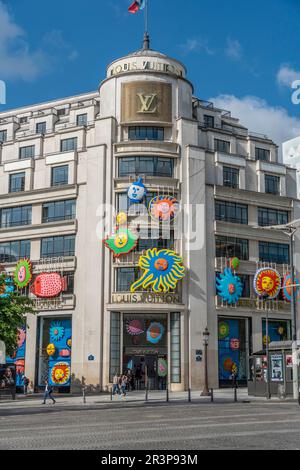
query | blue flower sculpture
(229,286)
(57,331)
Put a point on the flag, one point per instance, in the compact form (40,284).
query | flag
(136,6)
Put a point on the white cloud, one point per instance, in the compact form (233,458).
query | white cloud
(18,60)
(286,75)
(258,116)
(196,45)
(234,49)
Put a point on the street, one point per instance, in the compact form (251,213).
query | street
(173,426)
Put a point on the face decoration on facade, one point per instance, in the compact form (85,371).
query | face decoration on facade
(50,349)
(155,332)
(7,288)
(137,191)
(121,219)
(287,290)
(164,208)
(57,331)
(224,330)
(47,285)
(60,373)
(267,281)
(234,344)
(229,286)
(162,270)
(21,337)
(122,242)
(135,327)
(23,273)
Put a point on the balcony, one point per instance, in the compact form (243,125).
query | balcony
(62,263)
(63,302)
(144,147)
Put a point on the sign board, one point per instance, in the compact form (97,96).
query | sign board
(91,357)
(277,368)
(145,298)
(199,355)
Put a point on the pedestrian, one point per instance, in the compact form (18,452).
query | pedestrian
(130,377)
(124,383)
(25,384)
(48,392)
(138,376)
(116,388)
(234,375)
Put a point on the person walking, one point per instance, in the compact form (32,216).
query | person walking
(116,388)
(25,384)
(124,383)
(48,393)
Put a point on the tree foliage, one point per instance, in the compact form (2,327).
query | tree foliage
(12,316)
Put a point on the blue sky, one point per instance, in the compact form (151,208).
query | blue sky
(244,55)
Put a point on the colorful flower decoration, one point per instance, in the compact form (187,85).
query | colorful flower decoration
(69,342)
(224,330)
(137,191)
(122,242)
(60,373)
(234,263)
(21,337)
(65,353)
(267,281)
(162,270)
(23,273)
(162,367)
(57,331)
(229,286)
(135,327)
(234,344)
(164,208)
(50,349)
(155,332)
(7,288)
(287,290)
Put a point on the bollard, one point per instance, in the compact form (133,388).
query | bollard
(167,393)
(83,395)
(146,393)
(111,393)
(235,395)
(212,395)
(190,395)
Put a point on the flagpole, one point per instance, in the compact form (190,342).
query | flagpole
(146,16)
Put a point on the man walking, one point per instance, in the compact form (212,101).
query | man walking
(48,392)
(116,388)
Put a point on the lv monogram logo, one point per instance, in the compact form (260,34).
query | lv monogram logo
(148,103)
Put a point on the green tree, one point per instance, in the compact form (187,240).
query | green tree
(12,315)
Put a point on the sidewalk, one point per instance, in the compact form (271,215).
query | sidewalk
(137,397)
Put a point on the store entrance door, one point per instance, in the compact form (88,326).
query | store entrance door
(149,369)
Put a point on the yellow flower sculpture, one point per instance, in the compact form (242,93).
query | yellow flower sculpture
(162,270)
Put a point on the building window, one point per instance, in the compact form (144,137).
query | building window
(68,145)
(59,175)
(150,166)
(231,177)
(16,182)
(229,247)
(81,120)
(61,112)
(274,252)
(262,154)
(209,121)
(231,212)
(41,128)
(3,136)
(160,243)
(175,347)
(146,133)
(15,216)
(59,210)
(54,247)
(114,357)
(126,277)
(222,146)
(27,152)
(124,203)
(13,251)
(245,278)
(278,330)
(272,184)
(24,120)
(69,276)
(272,217)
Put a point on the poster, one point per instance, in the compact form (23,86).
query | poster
(277,368)
(8,378)
(18,359)
(289,361)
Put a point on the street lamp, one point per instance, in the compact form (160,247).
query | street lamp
(265,297)
(290,229)
(205,392)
